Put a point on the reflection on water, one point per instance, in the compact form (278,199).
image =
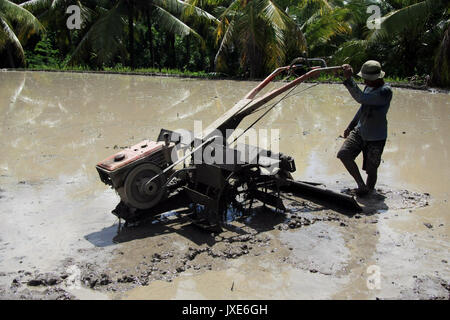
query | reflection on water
(59,123)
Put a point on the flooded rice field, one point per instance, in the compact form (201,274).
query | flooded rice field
(59,240)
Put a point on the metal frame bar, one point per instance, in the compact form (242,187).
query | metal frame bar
(250,103)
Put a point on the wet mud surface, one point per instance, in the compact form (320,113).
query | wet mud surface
(59,240)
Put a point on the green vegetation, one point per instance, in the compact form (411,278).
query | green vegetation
(43,56)
(231,38)
(121,69)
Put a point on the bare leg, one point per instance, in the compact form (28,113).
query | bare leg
(352,168)
(371,179)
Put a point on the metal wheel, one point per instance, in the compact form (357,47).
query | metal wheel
(137,194)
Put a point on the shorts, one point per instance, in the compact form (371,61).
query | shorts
(372,150)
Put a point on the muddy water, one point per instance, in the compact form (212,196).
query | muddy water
(55,127)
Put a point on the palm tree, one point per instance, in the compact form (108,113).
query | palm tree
(327,24)
(52,14)
(258,31)
(441,74)
(108,28)
(106,36)
(410,24)
(174,17)
(16,25)
(403,30)
(206,23)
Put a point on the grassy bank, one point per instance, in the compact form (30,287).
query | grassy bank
(410,83)
(127,70)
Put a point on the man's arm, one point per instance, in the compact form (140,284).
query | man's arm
(371,98)
(348,72)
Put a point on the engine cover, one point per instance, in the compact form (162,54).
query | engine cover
(129,155)
(114,169)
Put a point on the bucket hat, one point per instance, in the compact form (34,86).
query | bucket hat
(371,70)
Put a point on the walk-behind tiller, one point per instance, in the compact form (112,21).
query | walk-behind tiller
(149,181)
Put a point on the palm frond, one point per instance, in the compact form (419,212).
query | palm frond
(323,27)
(186,9)
(104,36)
(353,52)
(37,6)
(12,15)
(219,60)
(441,73)
(7,36)
(408,19)
(231,10)
(172,24)
(24,18)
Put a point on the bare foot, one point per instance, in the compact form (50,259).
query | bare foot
(362,191)
(357,191)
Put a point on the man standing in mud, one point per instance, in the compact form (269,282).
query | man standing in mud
(367,132)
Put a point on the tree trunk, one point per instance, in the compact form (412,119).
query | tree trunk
(173,56)
(253,62)
(158,51)
(188,52)
(441,72)
(410,57)
(157,48)
(131,32)
(165,52)
(150,38)
(10,57)
(212,57)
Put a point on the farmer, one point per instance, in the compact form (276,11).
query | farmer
(367,132)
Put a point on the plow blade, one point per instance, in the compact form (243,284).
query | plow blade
(320,195)
(269,199)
